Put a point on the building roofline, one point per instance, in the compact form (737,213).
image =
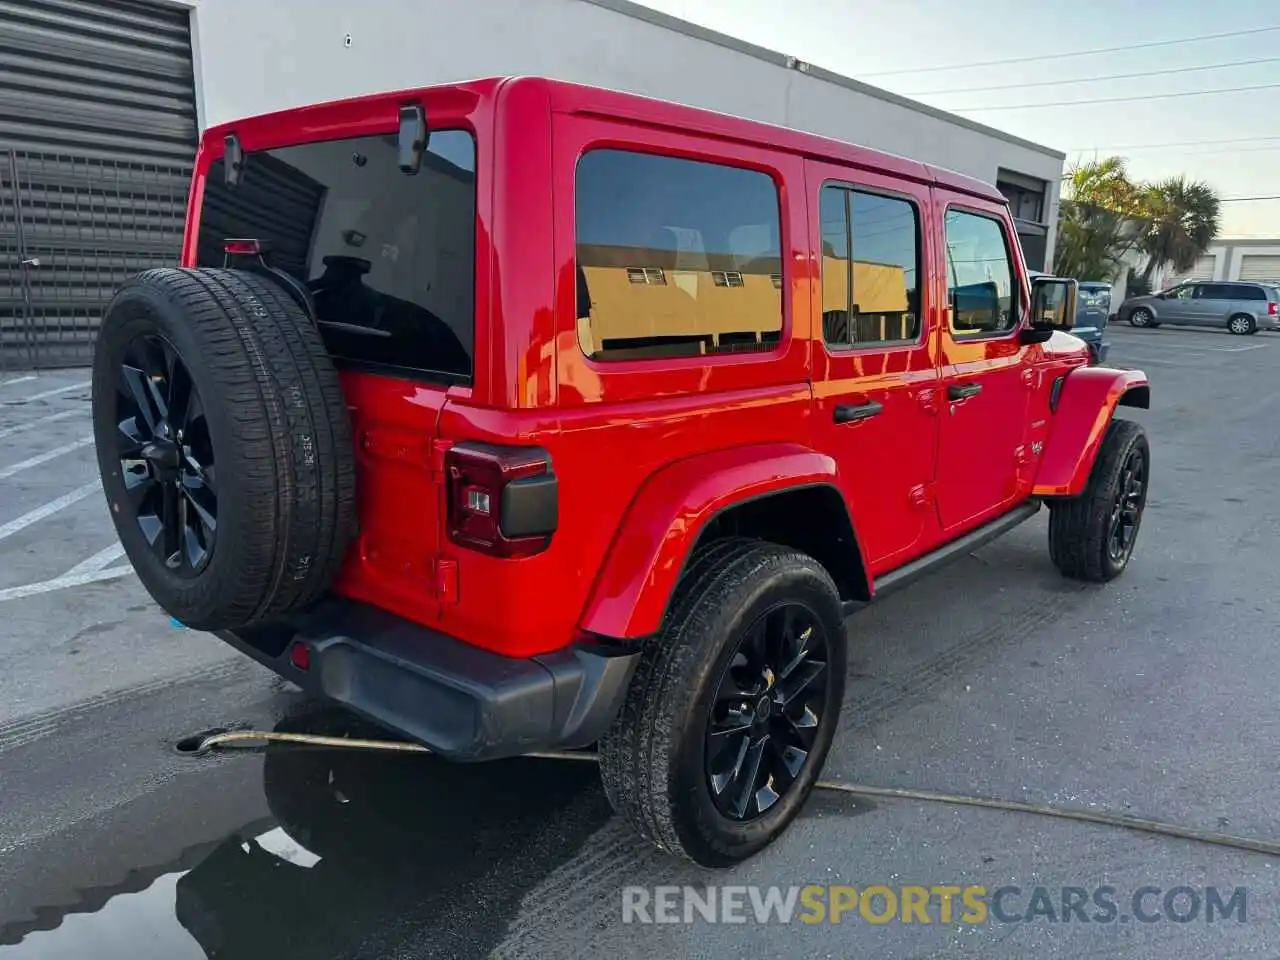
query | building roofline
(655,17)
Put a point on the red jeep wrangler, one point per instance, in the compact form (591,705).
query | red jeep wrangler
(517,414)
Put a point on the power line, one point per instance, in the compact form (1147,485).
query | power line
(1176,143)
(1112,76)
(1244,199)
(1081,103)
(1187,153)
(1077,53)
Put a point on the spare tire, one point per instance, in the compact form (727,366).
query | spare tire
(224,445)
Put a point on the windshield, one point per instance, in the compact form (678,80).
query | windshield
(389,258)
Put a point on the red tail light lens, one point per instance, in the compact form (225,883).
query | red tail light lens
(242,248)
(1273,309)
(502,500)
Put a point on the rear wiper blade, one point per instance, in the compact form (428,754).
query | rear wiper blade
(354,328)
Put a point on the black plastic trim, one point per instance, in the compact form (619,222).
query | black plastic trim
(530,506)
(463,702)
(1055,393)
(909,573)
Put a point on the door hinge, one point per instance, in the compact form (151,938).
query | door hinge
(447,581)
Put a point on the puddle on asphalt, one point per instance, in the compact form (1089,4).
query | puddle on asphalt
(365,855)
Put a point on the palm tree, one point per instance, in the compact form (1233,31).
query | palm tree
(1100,219)
(1184,217)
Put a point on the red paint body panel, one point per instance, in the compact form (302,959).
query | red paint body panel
(666,518)
(646,451)
(1089,398)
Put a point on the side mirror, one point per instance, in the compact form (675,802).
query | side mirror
(1053,307)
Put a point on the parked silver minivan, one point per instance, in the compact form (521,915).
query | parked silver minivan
(1240,307)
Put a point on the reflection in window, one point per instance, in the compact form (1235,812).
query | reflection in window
(388,259)
(675,257)
(871,296)
(980,278)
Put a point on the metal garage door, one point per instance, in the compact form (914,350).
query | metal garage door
(1203,270)
(97,136)
(1258,267)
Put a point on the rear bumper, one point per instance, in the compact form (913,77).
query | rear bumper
(463,702)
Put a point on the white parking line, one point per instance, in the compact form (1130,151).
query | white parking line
(40,422)
(9,383)
(9,471)
(103,558)
(63,582)
(48,393)
(49,509)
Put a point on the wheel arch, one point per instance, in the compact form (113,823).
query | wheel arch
(744,491)
(1085,409)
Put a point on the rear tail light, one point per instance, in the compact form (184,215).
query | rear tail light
(1273,309)
(502,500)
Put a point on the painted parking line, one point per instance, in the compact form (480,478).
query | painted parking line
(41,421)
(9,383)
(103,558)
(64,582)
(9,471)
(48,393)
(21,523)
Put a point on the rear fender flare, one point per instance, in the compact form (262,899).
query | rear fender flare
(663,524)
(1086,404)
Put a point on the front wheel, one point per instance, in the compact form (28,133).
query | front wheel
(733,706)
(1091,537)
(1141,317)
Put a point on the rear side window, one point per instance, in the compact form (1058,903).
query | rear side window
(389,258)
(870,292)
(980,276)
(676,258)
(1249,293)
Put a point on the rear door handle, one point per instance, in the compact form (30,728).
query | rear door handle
(852,412)
(963,391)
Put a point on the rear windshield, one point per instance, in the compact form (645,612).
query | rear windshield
(389,257)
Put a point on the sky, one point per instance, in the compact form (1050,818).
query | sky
(892,45)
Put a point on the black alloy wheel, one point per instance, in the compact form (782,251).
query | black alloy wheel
(766,711)
(166,455)
(1126,511)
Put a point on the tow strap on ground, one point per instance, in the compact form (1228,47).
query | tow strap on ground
(201,744)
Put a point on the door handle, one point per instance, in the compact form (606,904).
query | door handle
(853,412)
(963,391)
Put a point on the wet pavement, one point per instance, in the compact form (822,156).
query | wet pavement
(1153,696)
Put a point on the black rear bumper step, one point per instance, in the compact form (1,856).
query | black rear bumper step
(463,702)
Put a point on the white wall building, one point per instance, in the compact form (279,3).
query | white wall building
(102,101)
(1229,259)
(254,56)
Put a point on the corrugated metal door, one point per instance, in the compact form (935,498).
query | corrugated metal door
(97,136)
(1259,267)
(1203,270)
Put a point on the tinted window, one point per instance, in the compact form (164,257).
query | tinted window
(980,275)
(389,258)
(675,257)
(1216,291)
(1244,292)
(870,291)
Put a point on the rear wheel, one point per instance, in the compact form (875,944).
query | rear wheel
(733,707)
(1091,537)
(1242,324)
(224,445)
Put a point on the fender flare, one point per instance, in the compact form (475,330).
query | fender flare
(671,510)
(1086,404)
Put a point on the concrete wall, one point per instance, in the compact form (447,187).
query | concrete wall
(254,56)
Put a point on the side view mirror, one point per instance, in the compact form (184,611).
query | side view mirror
(1053,307)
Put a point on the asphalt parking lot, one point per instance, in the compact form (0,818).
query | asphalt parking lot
(1153,696)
